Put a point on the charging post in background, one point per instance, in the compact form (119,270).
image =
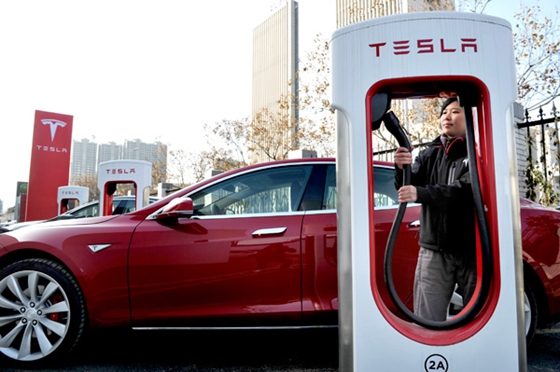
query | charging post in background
(410,57)
(112,173)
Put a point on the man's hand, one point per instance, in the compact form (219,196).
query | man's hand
(407,194)
(402,157)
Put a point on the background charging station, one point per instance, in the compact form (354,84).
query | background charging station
(427,55)
(114,172)
(75,195)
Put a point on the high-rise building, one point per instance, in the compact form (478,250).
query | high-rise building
(138,150)
(275,61)
(109,151)
(84,159)
(87,155)
(352,11)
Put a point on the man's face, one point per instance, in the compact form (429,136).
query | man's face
(452,120)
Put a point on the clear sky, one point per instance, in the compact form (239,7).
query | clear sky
(127,69)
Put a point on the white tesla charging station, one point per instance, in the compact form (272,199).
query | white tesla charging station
(427,55)
(114,172)
(70,193)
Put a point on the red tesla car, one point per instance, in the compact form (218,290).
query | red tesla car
(254,247)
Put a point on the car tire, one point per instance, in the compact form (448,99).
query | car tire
(531,311)
(530,307)
(42,312)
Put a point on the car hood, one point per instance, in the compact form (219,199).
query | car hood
(69,222)
(62,238)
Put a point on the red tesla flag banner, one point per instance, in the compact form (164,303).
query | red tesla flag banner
(50,163)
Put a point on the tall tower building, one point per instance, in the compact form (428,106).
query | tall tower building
(109,151)
(87,155)
(155,153)
(275,60)
(352,11)
(84,159)
(138,150)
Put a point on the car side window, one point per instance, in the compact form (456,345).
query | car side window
(329,199)
(313,198)
(89,211)
(119,206)
(124,206)
(385,194)
(272,190)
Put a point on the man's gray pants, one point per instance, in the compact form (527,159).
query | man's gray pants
(436,275)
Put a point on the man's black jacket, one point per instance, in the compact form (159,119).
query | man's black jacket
(441,176)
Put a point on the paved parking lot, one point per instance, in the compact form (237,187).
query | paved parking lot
(251,351)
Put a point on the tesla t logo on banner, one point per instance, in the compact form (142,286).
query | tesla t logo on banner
(53,123)
(50,163)
(403,47)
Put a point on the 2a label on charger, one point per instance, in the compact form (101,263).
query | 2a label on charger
(436,363)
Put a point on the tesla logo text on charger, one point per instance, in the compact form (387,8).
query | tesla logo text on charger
(70,193)
(121,171)
(419,46)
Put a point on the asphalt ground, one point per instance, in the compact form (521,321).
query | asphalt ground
(204,351)
(240,351)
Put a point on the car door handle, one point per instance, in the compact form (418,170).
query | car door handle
(269,231)
(415,223)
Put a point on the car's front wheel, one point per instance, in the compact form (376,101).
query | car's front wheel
(42,312)
(530,308)
(531,311)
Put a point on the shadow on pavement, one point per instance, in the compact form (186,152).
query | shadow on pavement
(205,351)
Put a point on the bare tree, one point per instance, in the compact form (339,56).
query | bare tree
(201,163)
(177,172)
(159,166)
(275,133)
(268,135)
(89,181)
(536,38)
(474,6)
(228,142)
(317,120)
(433,5)
(537,46)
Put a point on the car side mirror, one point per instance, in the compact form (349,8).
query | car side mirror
(177,208)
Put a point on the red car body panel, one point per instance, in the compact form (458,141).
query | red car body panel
(188,272)
(319,281)
(207,271)
(541,248)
